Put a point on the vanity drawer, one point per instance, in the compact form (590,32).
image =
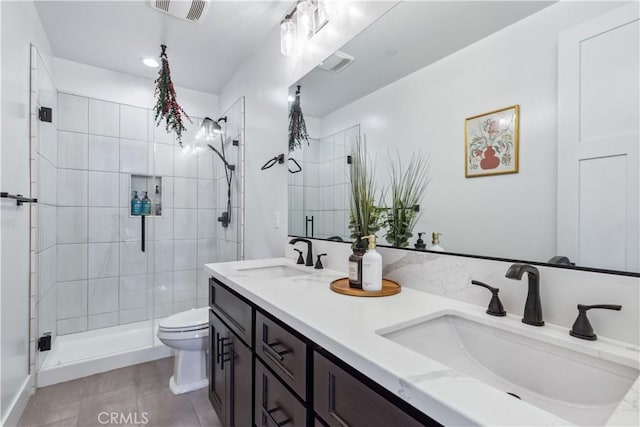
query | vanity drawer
(283,352)
(342,400)
(233,310)
(274,404)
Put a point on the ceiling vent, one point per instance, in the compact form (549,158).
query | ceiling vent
(187,10)
(336,62)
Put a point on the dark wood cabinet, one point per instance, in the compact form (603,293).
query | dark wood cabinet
(265,374)
(231,368)
(231,375)
(275,405)
(237,313)
(342,400)
(283,352)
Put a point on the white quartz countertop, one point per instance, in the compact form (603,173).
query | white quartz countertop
(346,327)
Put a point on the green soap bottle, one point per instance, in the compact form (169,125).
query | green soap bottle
(146,204)
(136,205)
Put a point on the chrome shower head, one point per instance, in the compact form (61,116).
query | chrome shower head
(209,129)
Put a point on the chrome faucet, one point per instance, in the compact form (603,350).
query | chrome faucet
(533,307)
(309,262)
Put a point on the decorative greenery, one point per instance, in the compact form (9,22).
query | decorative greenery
(167,106)
(407,190)
(297,126)
(364,218)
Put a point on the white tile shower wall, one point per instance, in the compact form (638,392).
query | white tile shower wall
(99,243)
(561,289)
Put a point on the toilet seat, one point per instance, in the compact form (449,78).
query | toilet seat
(187,321)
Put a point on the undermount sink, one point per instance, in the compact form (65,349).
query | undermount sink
(273,272)
(580,388)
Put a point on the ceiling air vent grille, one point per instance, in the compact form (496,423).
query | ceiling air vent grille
(188,10)
(197,7)
(163,5)
(336,62)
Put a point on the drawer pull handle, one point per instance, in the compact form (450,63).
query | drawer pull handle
(268,413)
(271,351)
(222,355)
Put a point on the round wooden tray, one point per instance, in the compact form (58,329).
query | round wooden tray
(341,286)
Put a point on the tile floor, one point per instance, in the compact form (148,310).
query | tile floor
(135,394)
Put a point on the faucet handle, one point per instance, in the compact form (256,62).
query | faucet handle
(582,327)
(300,257)
(319,265)
(495,305)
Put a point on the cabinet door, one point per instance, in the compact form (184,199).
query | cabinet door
(241,375)
(218,387)
(275,406)
(342,400)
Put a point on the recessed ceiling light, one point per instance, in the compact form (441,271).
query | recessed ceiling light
(392,52)
(150,62)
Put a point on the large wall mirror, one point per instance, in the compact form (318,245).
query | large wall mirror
(409,83)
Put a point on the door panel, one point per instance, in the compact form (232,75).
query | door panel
(218,389)
(598,141)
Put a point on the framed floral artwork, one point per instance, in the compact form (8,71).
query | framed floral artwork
(491,142)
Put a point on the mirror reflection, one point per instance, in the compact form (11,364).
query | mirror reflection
(533,80)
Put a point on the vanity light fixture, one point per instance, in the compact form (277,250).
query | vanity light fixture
(305,22)
(151,62)
(310,17)
(287,37)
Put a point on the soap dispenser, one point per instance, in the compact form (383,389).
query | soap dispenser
(435,242)
(420,244)
(355,266)
(372,267)
(146,204)
(136,205)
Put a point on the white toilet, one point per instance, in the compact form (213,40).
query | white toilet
(188,333)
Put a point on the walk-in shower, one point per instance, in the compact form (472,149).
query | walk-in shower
(98,294)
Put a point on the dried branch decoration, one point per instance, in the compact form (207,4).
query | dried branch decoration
(167,106)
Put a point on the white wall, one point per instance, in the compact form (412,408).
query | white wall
(93,82)
(510,216)
(20,27)
(264,80)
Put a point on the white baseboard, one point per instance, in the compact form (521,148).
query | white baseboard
(19,403)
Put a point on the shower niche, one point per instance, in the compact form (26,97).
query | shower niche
(145,194)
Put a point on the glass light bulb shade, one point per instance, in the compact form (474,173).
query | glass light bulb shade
(325,11)
(287,37)
(305,14)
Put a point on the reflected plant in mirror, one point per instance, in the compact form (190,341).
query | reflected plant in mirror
(408,186)
(364,217)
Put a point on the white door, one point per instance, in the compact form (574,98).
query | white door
(598,141)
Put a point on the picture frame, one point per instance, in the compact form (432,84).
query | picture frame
(491,142)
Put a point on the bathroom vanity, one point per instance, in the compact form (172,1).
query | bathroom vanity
(286,350)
